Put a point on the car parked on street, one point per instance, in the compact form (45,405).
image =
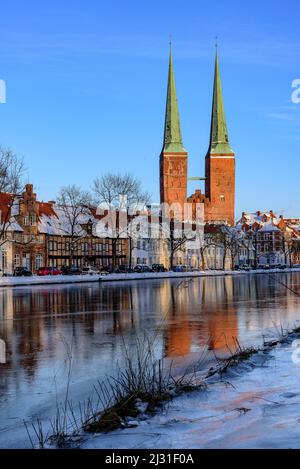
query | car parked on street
(123,269)
(43,271)
(178,268)
(142,268)
(72,271)
(158,268)
(90,271)
(22,272)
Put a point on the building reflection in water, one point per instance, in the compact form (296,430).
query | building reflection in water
(185,315)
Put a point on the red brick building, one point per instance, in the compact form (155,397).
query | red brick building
(219,196)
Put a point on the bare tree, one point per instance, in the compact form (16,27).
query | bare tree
(120,194)
(74,203)
(228,238)
(291,246)
(120,191)
(11,174)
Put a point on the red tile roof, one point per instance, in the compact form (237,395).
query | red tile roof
(46,208)
(5,205)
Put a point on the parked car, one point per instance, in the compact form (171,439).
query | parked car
(142,268)
(246,267)
(266,267)
(90,271)
(282,266)
(49,271)
(123,269)
(158,268)
(72,271)
(186,268)
(22,272)
(177,268)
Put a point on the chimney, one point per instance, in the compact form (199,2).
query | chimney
(29,194)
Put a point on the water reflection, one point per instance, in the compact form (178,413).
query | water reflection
(36,323)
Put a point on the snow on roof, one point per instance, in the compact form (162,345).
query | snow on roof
(56,220)
(268,227)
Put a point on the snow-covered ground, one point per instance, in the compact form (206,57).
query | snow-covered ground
(255,405)
(36,280)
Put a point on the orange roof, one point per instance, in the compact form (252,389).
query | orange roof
(46,208)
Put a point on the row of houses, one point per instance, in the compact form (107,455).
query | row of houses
(36,234)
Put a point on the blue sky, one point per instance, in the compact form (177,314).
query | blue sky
(86,89)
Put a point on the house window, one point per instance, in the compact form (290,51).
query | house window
(32,220)
(52,245)
(4,257)
(138,260)
(38,261)
(26,260)
(138,245)
(99,247)
(17,260)
(26,220)
(84,247)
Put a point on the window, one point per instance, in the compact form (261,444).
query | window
(38,261)
(17,260)
(32,219)
(138,245)
(26,260)
(52,245)
(99,247)
(84,247)
(26,220)
(4,258)
(138,260)
(144,245)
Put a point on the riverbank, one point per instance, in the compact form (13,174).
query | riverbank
(255,405)
(63,279)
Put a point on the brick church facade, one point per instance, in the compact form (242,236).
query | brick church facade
(219,195)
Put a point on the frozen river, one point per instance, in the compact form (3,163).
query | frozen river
(44,326)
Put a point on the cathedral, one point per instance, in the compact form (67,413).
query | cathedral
(219,196)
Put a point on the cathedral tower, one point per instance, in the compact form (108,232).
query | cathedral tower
(173,158)
(219,163)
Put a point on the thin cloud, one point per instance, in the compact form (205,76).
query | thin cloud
(279,116)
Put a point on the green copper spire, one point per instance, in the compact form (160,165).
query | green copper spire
(219,142)
(172,136)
